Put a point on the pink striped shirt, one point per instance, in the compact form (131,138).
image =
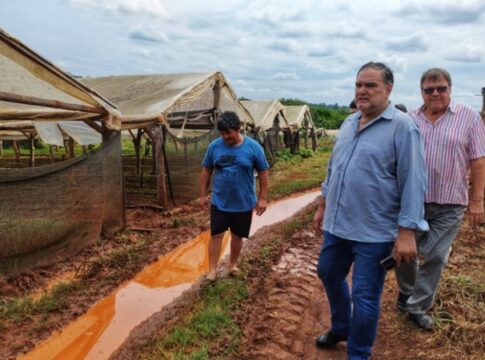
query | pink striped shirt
(457,137)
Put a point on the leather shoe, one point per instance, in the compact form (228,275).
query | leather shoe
(329,340)
(422,320)
(401,303)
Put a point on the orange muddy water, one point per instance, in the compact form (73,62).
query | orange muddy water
(98,333)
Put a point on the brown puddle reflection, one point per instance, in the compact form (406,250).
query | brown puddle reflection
(98,333)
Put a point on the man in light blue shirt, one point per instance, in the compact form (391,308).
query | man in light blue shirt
(371,206)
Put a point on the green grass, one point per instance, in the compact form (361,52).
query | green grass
(20,309)
(210,325)
(296,173)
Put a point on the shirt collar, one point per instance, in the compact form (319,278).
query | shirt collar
(452,107)
(387,114)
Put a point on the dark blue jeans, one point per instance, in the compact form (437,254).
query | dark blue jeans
(354,315)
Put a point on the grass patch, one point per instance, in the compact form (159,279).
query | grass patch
(297,224)
(118,263)
(297,173)
(207,329)
(460,300)
(20,309)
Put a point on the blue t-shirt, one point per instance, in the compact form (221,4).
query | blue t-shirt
(234,187)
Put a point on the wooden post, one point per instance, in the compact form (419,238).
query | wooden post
(31,150)
(217,101)
(306,124)
(161,171)
(16,150)
(136,144)
(314,139)
(72,154)
(276,125)
(51,154)
(1,148)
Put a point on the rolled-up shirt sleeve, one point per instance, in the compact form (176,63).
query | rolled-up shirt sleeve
(411,177)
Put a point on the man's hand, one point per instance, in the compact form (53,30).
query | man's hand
(475,212)
(318,220)
(405,246)
(319,215)
(261,206)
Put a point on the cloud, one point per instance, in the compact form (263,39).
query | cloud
(320,52)
(141,52)
(444,12)
(240,82)
(274,15)
(286,46)
(125,7)
(151,35)
(413,43)
(396,63)
(469,53)
(285,76)
(350,33)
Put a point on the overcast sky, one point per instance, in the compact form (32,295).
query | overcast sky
(267,49)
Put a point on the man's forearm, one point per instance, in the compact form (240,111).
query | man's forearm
(204,182)
(477,168)
(263,184)
(321,203)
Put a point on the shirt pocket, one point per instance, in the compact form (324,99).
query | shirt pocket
(377,157)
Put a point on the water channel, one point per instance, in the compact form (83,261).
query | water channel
(99,332)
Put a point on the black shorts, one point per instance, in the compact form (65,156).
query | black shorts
(238,222)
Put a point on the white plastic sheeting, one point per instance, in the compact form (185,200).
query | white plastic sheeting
(51,134)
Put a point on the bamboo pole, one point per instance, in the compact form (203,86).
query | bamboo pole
(30,100)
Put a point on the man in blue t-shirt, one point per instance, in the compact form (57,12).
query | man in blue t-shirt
(232,158)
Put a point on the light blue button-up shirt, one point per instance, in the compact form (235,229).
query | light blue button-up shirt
(376,179)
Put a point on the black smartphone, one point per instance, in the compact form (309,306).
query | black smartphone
(388,263)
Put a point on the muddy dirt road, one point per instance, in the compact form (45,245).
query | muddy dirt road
(287,308)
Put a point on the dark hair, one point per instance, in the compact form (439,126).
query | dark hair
(434,74)
(401,107)
(352,105)
(387,75)
(228,120)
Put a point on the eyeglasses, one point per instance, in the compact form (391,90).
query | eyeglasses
(439,89)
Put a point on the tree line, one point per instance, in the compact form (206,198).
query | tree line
(328,116)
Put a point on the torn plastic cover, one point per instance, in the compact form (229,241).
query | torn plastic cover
(83,134)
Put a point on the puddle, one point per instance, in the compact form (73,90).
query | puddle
(98,333)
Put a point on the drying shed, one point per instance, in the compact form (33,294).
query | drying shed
(270,124)
(300,122)
(175,114)
(52,211)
